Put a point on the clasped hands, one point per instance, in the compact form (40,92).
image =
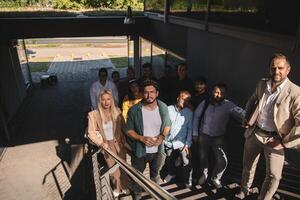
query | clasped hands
(151,141)
(275,144)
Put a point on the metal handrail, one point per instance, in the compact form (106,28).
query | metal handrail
(148,185)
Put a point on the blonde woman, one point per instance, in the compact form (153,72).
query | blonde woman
(105,131)
(134,96)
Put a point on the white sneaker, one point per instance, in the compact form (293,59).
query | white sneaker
(168,178)
(116,194)
(126,191)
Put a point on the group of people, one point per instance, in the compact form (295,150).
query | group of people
(173,122)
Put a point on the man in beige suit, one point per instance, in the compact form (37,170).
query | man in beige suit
(273,123)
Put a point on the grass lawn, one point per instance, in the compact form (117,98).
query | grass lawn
(39,66)
(119,62)
(50,12)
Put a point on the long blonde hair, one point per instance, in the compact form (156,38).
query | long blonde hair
(114,111)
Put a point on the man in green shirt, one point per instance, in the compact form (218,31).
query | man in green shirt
(148,124)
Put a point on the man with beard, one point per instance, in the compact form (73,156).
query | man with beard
(273,122)
(148,124)
(209,126)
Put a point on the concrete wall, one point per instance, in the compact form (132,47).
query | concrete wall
(169,36)
(239,62)
(13,88)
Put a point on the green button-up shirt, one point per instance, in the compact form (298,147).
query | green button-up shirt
(135,123)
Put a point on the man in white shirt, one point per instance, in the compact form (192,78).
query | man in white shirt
(102,84)
(148,124)
(273,124)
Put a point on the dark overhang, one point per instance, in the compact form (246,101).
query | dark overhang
(14,28)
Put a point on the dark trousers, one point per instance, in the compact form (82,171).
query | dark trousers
(155,161)
(195,162)
(173,154)
(217,146)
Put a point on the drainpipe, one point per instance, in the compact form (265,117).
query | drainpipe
(207,14)
(167,10)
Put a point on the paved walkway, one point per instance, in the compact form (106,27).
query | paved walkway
(39,164)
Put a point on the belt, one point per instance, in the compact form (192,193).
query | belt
(264,133)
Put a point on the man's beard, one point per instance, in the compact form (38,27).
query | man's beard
(149,102)
(219,100)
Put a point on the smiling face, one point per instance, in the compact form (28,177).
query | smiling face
(105,101)
(218,94)
(150,94)
(279,70)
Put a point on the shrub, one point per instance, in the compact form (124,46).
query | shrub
(8,4)
(66,4)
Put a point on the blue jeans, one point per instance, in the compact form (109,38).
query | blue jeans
(217,146)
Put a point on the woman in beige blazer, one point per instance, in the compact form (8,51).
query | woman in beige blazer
(105,131)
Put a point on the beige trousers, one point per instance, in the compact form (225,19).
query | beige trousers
(119,178)
(254,146)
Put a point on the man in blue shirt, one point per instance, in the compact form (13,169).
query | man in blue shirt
(209,126)
(179,140)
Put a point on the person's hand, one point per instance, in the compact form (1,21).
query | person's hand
(186,149)
(148,141)
(104,145)
(158,140)
(245,123)
(275,144)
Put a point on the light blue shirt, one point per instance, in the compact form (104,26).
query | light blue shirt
(216,117)
(181,128)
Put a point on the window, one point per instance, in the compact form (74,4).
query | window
(155,6)
(23,61)
(145,48)
(130,53)
(158,57)
(271,16)
(173,60)
(189,8)
(158,61)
